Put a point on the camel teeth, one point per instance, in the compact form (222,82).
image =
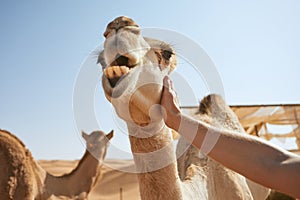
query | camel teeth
(110,72)
(105,72)
(117,71)
(124,69)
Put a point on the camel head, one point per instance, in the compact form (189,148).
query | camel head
(134,67)
(214,110)
(97,143)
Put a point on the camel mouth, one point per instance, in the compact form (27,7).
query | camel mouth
(118,70)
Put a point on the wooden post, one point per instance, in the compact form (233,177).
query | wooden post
(121,193)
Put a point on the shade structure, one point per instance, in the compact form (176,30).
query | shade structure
(255,119)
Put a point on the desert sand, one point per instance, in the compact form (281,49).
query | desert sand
(114,184)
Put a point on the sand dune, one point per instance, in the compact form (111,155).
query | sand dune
(113,184)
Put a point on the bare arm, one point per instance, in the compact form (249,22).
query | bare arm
(250,156)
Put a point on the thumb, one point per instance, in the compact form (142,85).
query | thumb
(167,83)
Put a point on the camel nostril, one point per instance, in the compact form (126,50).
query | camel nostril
(121,60)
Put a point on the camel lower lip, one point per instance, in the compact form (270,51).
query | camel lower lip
(115,81)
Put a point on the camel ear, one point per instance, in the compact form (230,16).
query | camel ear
(110,135)
(84,135)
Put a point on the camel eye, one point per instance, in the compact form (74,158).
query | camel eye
(166,54)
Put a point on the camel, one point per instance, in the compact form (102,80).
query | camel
(214,111)
(133,69)
(22,178)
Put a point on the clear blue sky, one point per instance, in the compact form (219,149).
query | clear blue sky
(254,44)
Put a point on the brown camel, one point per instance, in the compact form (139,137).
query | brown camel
(134,67)
(22,178)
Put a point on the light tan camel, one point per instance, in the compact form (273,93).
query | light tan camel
(213,110)
(133,70)
(22,178)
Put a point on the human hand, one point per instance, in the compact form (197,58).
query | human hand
(169,102)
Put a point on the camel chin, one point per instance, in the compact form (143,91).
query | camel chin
(135,95)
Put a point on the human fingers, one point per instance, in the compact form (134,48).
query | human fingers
(167,83)
(168,86)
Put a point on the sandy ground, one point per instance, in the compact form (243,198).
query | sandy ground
(113,184)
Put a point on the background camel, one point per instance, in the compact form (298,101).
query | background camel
(134,67)
(22,178)
(213,110)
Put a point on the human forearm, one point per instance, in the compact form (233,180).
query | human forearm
(259,161)
(252,157)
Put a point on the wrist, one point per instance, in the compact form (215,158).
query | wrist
(173,121)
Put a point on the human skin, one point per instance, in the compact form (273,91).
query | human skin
(250,156)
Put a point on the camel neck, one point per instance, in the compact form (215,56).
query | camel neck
(155,162)
(69,185)
(145,131)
